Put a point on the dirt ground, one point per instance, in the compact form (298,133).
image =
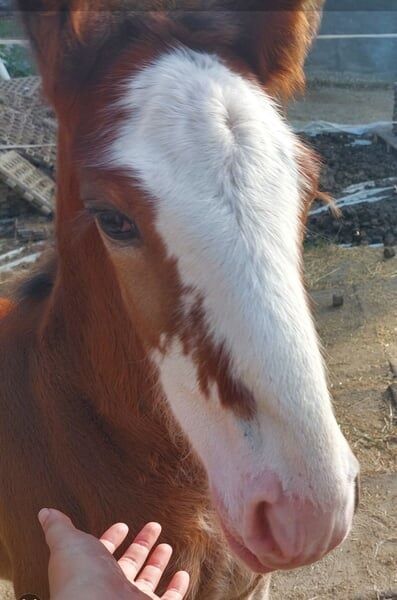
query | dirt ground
(359,340)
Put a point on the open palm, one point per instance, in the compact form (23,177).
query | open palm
(81,566)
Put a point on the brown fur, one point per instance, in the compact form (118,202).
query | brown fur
(84,426)
(5,307)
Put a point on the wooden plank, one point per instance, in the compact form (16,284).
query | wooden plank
(36,187)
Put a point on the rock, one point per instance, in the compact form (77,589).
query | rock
(389,253)
(337,300)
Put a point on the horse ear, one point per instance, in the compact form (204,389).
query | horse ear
(272,36)
(280,40)
(57,29)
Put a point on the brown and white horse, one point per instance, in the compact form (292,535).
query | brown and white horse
(164,365)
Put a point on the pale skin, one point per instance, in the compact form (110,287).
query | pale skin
(81,566)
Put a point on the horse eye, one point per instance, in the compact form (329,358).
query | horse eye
(117,226)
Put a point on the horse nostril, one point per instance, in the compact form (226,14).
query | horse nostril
(357,493)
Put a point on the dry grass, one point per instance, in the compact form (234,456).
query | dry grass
(329,264)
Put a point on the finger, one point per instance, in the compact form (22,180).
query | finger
(135,557)
(56,526)
(149,578)
(114,537)
(177,587)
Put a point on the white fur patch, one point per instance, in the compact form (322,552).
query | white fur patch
(219,162)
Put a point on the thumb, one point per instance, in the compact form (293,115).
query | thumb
(56,526)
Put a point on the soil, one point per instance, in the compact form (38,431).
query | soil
(357,225)
(349,160)
(360,342)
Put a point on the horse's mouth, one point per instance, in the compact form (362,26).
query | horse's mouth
(241,551)
(243,554)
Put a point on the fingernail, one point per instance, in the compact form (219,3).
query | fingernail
(43,515)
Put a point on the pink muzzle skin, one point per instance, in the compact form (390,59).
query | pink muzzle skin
(280,532)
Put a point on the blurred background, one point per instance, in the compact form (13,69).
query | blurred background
(349,116)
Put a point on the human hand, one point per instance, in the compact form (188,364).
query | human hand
(82,567)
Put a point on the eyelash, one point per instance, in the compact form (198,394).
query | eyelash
(115,225)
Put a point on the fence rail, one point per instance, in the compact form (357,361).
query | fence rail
(358,36)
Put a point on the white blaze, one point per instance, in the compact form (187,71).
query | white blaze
(212,151)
